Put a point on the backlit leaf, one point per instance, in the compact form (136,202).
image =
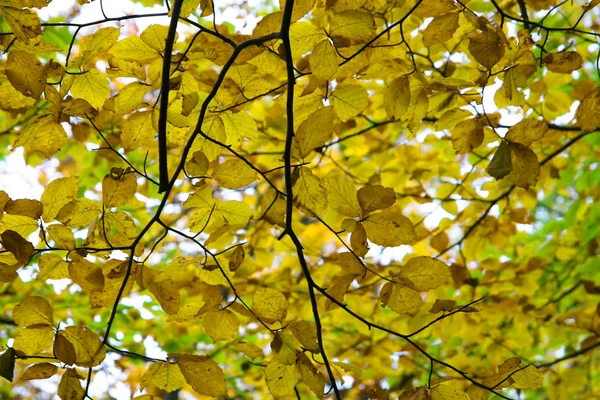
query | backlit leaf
(401,299)
(89,350)
(564,62)
(323,60)
(44,135)
(202,373)
(39,371)
(525,165)
(527,131)
(165,375)
(234,174)
(25,73)
(350,101)
(441,29)
(425,272)
(397,97)
(70,387)
(313,133)
(58,193)
(281,378)
(33,310)
(270,305)
(92,87)
(118,189)
(389,229)
(487,47)
(221,325)
(341,195)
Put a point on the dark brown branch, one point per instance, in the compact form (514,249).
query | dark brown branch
(164,98)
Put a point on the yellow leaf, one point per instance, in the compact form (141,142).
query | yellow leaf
(34,339)
(323,61)
(33,310)
(165,375)
(69,387)
(309,195)
(354,25)
(197,165)
(85,273)
(62,236)
(563,63)
(358,241)
(155,36)
(59,192)
(303,37)
(11,99)
(389,229)
(89,350)
(234,174)
(202,373)
(24,22)
(310,375)
(97,43)
(221,325)
(24,226)
(487,47)
(64,350)
(313,133)
(341,195)
(525,165)
(396,97)
(349,101)
(269,305)
(343,5)
(29,208)
(20,248)
(91,86)
(238,126)
(118,189)
(441,392)
(441,29)
(375,197)
(133,49)
(44,135)
(236,213)
(79,213)
(433,8)
(337,289)
(477,393)
(129,98)
(529,378)
(440,305)
(588,112)
(501,164)
(450,118)
(401,299)
(39,371)
(467,135)
(167,294)
(527,131)
(188,7)
(52,266)
(250,350)
(306,333)
(25,72)
(138,131)
(425,273)
(281,378)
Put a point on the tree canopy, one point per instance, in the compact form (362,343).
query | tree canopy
(360,199)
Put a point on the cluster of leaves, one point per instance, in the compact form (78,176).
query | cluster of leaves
(361,199)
